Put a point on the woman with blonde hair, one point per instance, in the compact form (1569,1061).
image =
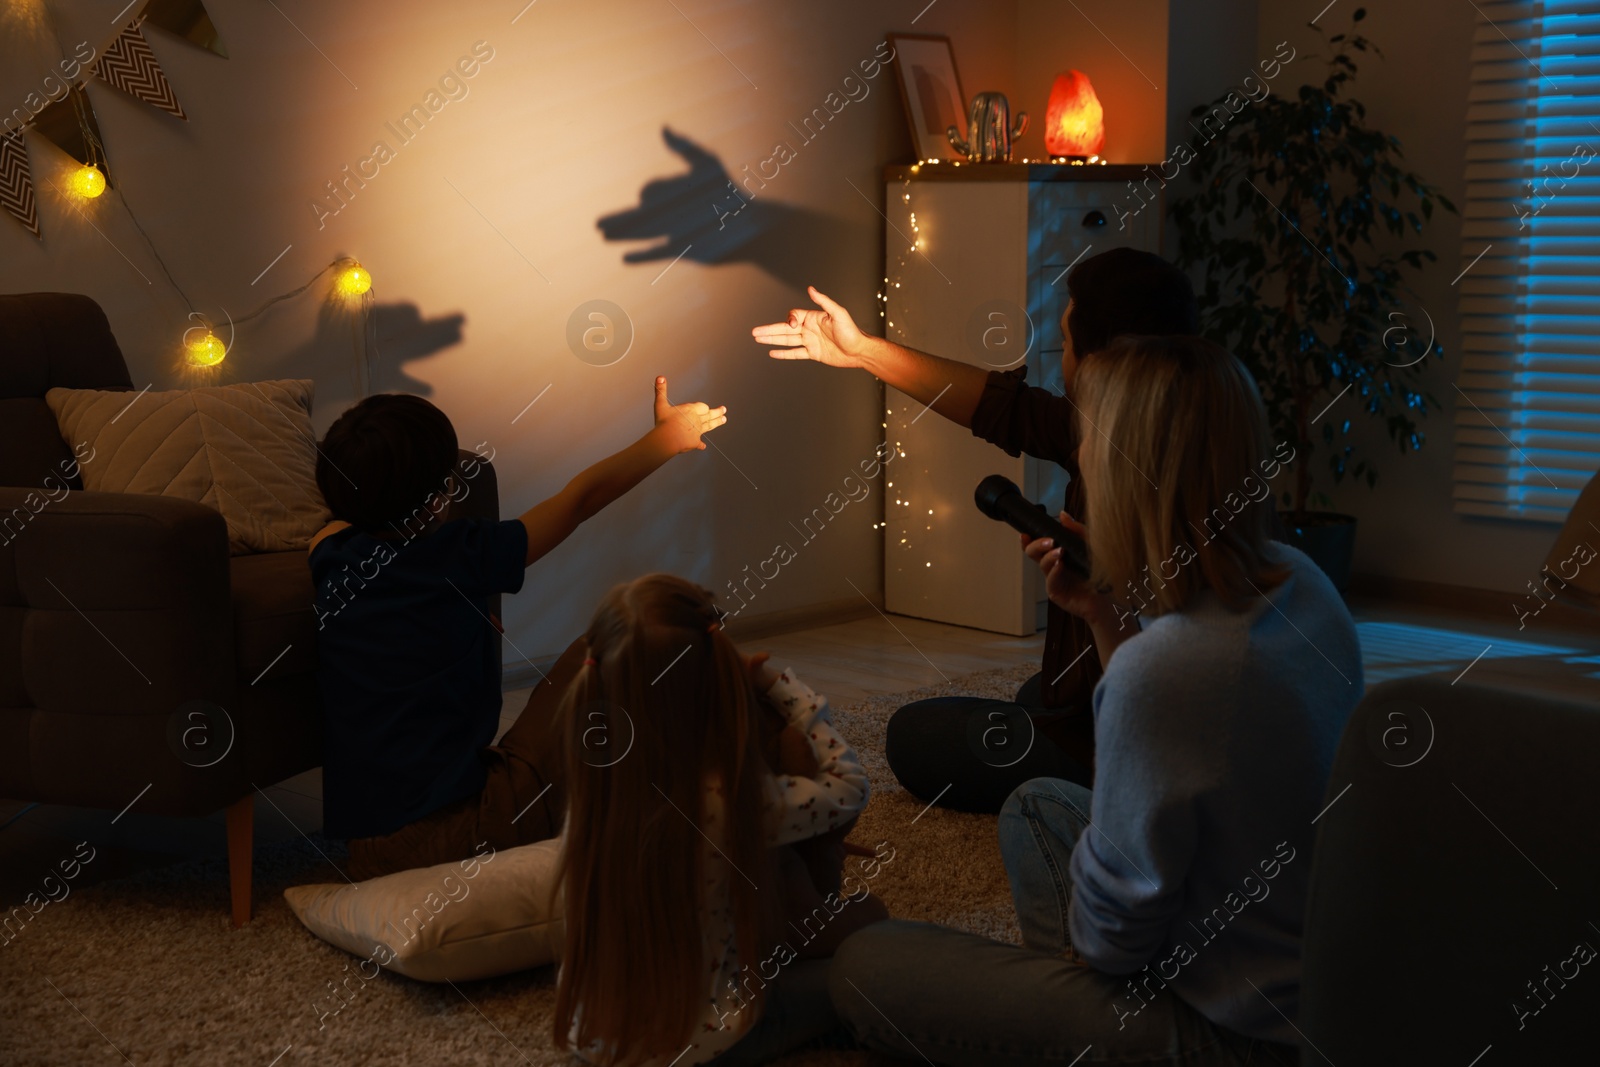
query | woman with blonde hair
(691,935)
(1161,913)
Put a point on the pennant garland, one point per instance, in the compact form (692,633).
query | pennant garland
(16,183)
(187,19)
(128,64)
(70,125)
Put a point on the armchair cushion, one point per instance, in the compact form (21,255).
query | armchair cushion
(246,450)
(272,616)
(32,452)
(51,339)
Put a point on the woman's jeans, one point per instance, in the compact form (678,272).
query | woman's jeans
(927,992)
(797,1014)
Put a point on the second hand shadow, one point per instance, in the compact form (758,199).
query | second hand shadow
(699,216)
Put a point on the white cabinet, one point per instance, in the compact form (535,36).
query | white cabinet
(975,265)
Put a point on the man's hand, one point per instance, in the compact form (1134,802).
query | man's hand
(681,425)
(1062,584)
(828,336)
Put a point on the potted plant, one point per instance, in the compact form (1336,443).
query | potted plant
(1300,227)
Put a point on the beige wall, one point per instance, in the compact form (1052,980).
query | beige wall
(564,126)
(561,127)
(1418,92)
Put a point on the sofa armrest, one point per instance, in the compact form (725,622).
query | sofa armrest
(112,603)
(478,493)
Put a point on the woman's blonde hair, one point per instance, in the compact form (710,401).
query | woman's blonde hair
(1176,469)
(666,707)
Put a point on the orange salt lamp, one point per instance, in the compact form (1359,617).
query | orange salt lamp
(1075,124)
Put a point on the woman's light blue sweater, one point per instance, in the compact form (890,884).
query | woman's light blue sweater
(1214,735)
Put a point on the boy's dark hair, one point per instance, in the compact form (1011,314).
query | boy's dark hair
(1125,291)
(381,460)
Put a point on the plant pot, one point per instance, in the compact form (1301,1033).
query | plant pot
(1328,537)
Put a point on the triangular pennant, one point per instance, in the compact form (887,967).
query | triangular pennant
(128,64)
(16,181)
(59,123)
(188,19)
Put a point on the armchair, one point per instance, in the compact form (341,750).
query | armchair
(117,611)
(1455,870)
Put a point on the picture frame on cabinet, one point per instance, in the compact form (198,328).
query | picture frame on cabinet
(930,90)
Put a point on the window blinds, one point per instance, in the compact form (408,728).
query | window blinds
(1528,399)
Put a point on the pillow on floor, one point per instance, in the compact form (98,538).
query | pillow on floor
(247,450)
(485,916)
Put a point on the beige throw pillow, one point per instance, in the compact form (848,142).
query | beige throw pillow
(488,915)
(247,450)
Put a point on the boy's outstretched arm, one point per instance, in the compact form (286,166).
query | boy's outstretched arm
(677,429)
(830,336)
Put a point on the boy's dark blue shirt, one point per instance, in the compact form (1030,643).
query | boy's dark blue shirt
(409,667)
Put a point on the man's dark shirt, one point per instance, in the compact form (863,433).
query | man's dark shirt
(1023,418)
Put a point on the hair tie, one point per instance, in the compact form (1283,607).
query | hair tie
(712,626)
(590,661)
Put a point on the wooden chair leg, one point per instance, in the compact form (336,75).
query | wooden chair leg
(241,855)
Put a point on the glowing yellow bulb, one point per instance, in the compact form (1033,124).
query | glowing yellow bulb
(353,281)
(206,351)
(87,181)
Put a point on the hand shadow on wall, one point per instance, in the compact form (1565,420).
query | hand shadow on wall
(402,336)
(396,335)
(705,217)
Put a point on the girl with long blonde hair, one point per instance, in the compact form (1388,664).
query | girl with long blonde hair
(680,902)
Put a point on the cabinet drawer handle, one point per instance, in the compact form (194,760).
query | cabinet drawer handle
(1094,218)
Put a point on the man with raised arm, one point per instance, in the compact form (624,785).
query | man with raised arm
(1122,291)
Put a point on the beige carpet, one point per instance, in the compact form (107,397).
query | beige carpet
(146,970)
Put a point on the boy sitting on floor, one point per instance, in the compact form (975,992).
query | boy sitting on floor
(410,664)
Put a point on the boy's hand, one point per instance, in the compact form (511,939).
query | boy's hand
(682,424)
(828,336)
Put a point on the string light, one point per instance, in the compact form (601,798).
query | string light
(87,181)
(205,351)
(352,281)
(351,284)
(202,348)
